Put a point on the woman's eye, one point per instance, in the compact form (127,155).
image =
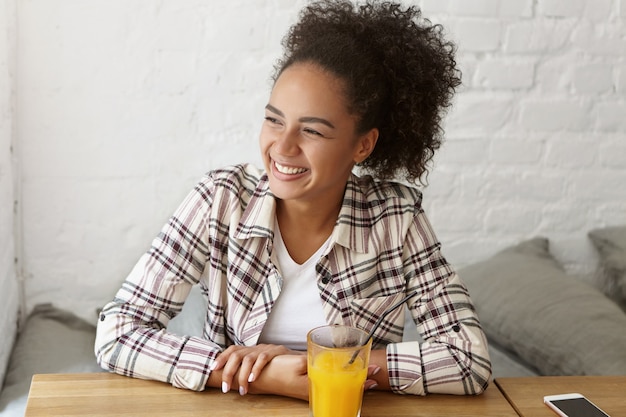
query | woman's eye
(271,120)
(312,132)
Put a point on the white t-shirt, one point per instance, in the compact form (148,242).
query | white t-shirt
(298,308)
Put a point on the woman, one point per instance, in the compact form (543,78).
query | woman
(307,242)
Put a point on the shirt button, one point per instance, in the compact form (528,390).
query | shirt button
(102,317)
(326,279)
(456,328)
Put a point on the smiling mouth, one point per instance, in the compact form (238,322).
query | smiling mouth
(288,170)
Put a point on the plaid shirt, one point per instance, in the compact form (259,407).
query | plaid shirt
(221,236)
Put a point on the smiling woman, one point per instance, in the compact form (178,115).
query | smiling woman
(309,150)
(305,241)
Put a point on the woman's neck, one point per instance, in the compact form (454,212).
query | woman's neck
(305,227)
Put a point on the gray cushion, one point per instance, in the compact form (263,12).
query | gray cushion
(505,364)
(52,341)
(57,341)
(529,306)
(611,245)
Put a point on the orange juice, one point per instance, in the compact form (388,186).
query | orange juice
(336,387)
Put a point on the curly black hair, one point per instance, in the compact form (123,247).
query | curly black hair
(400,76)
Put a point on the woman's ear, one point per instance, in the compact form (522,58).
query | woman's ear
(366,145)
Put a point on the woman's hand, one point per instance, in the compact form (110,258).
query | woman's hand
(285,375)
(241,365)
(274,369)
(377,373)
(370,382)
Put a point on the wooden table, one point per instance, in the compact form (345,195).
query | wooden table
(104,394)
(526,394)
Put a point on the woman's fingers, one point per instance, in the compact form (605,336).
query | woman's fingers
(245,363)
(262,360)
(221,360)
(245,371)
(371,383)
(372,370)
(255,361)
(230,368)
(284,375)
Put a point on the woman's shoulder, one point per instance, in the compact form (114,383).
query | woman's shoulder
(389,192)
(236,177)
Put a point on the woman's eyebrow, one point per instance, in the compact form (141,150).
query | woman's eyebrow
(306,119)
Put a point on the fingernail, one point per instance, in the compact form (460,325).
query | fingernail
(250,377)
(225,388)
(242,391)
(213,366)
(376,370)
(372,386)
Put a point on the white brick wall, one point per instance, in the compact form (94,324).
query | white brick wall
(535,143)
(123,105)
(9,292)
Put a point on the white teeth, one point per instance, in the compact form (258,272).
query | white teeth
(288,170)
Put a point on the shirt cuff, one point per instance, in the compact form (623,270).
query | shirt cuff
(405,368)
(192,367)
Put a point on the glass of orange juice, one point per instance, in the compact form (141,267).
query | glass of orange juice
(338,357)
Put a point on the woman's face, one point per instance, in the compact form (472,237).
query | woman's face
(309,141)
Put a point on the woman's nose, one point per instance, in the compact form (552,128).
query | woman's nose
(287,143)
